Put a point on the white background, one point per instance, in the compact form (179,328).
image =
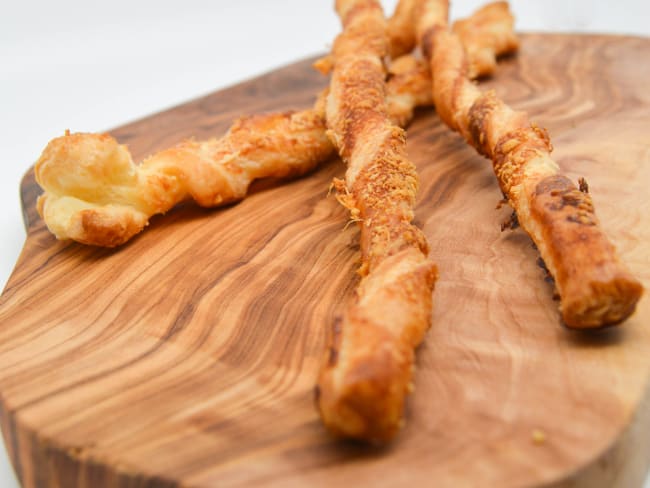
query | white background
(86,66)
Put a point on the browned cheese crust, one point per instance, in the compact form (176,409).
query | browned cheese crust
(595,288)
(368,368)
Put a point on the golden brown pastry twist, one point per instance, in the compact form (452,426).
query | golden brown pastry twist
(595,288)
(95,194)
(369,365)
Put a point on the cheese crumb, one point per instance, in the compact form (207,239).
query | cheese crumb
(538,436)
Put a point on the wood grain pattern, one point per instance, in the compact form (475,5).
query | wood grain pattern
(189,355)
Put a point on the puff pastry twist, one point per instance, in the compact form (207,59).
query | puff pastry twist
(369,365)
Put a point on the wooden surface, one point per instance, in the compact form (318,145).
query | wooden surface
(189,355)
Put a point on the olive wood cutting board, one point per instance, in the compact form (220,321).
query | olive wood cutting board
(189,355)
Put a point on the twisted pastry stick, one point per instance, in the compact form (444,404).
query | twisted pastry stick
(595,288)
(369,366)
(95,194)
